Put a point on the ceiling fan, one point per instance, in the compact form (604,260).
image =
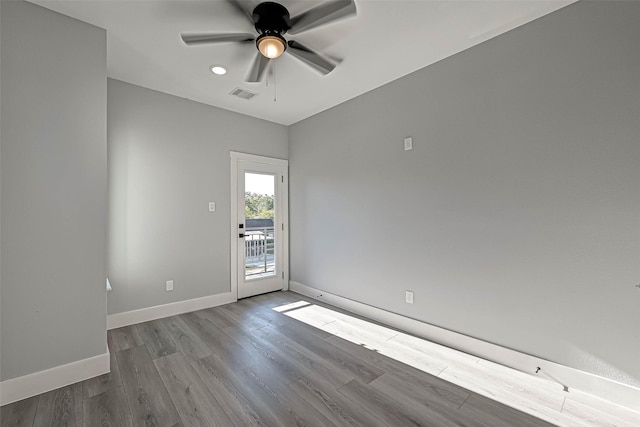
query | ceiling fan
(272,21)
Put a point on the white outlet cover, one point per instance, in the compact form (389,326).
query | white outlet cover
(408,143)
(212,206)
(409,297)
(169,285)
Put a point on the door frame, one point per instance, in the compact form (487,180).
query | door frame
(236,157)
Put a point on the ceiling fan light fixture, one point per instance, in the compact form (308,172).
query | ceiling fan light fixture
(271,46)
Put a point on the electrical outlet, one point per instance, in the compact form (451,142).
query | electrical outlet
(169,285)
(212,206)
(408,296)
(408,143)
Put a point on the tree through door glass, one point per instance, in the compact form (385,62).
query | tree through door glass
(259,241)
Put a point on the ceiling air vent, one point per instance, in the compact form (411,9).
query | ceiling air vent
(244,94)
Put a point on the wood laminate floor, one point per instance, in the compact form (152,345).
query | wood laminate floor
(282,359)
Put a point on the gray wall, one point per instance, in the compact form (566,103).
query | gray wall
(168,157)
(54,189)
(0,193)
(515,219)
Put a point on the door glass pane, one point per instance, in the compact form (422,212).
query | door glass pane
(259,241)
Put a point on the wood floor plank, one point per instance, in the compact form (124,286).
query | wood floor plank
(433,404)
(263,411)
(60,407)
(287,405)
(260,309)
(288,365)
(333,405)
(603,406)
(508,396)
(336,374)
(361,369)
(432,349)
(373,338)
(429,391)
(111,343)
(273,299)
(310,314)
(108,409)
(194,402)
(146,394)
(243,307)
(276,318)
(126,337)
(372,356)
(266,313)
(365,327)
(406,373)
(156,337)
(19,414)
(94,386)
(593,416)
(389,411)
(186,340)
(221,381)
(479,384)
(219,342)
(242,317)
(213,315)
(320,312)
(537,389)
(492,414)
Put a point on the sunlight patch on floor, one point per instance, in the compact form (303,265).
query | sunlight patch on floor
(537,396)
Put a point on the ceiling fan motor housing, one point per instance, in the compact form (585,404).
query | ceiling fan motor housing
(271,19)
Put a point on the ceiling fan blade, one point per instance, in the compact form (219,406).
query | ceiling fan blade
(195,39)
(258,69)
(321,15)
(311,58)
(244,7)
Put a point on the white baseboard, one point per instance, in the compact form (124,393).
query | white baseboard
(50,379)
(127,318)
(604,388)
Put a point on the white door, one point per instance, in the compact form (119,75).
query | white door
(259,224)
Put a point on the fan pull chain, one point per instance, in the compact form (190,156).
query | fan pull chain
(275,93)
(269,72)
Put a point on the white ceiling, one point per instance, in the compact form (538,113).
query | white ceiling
(385,41)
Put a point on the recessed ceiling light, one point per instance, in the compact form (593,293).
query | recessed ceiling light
(218,70)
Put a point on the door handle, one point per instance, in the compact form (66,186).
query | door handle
(241,235)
